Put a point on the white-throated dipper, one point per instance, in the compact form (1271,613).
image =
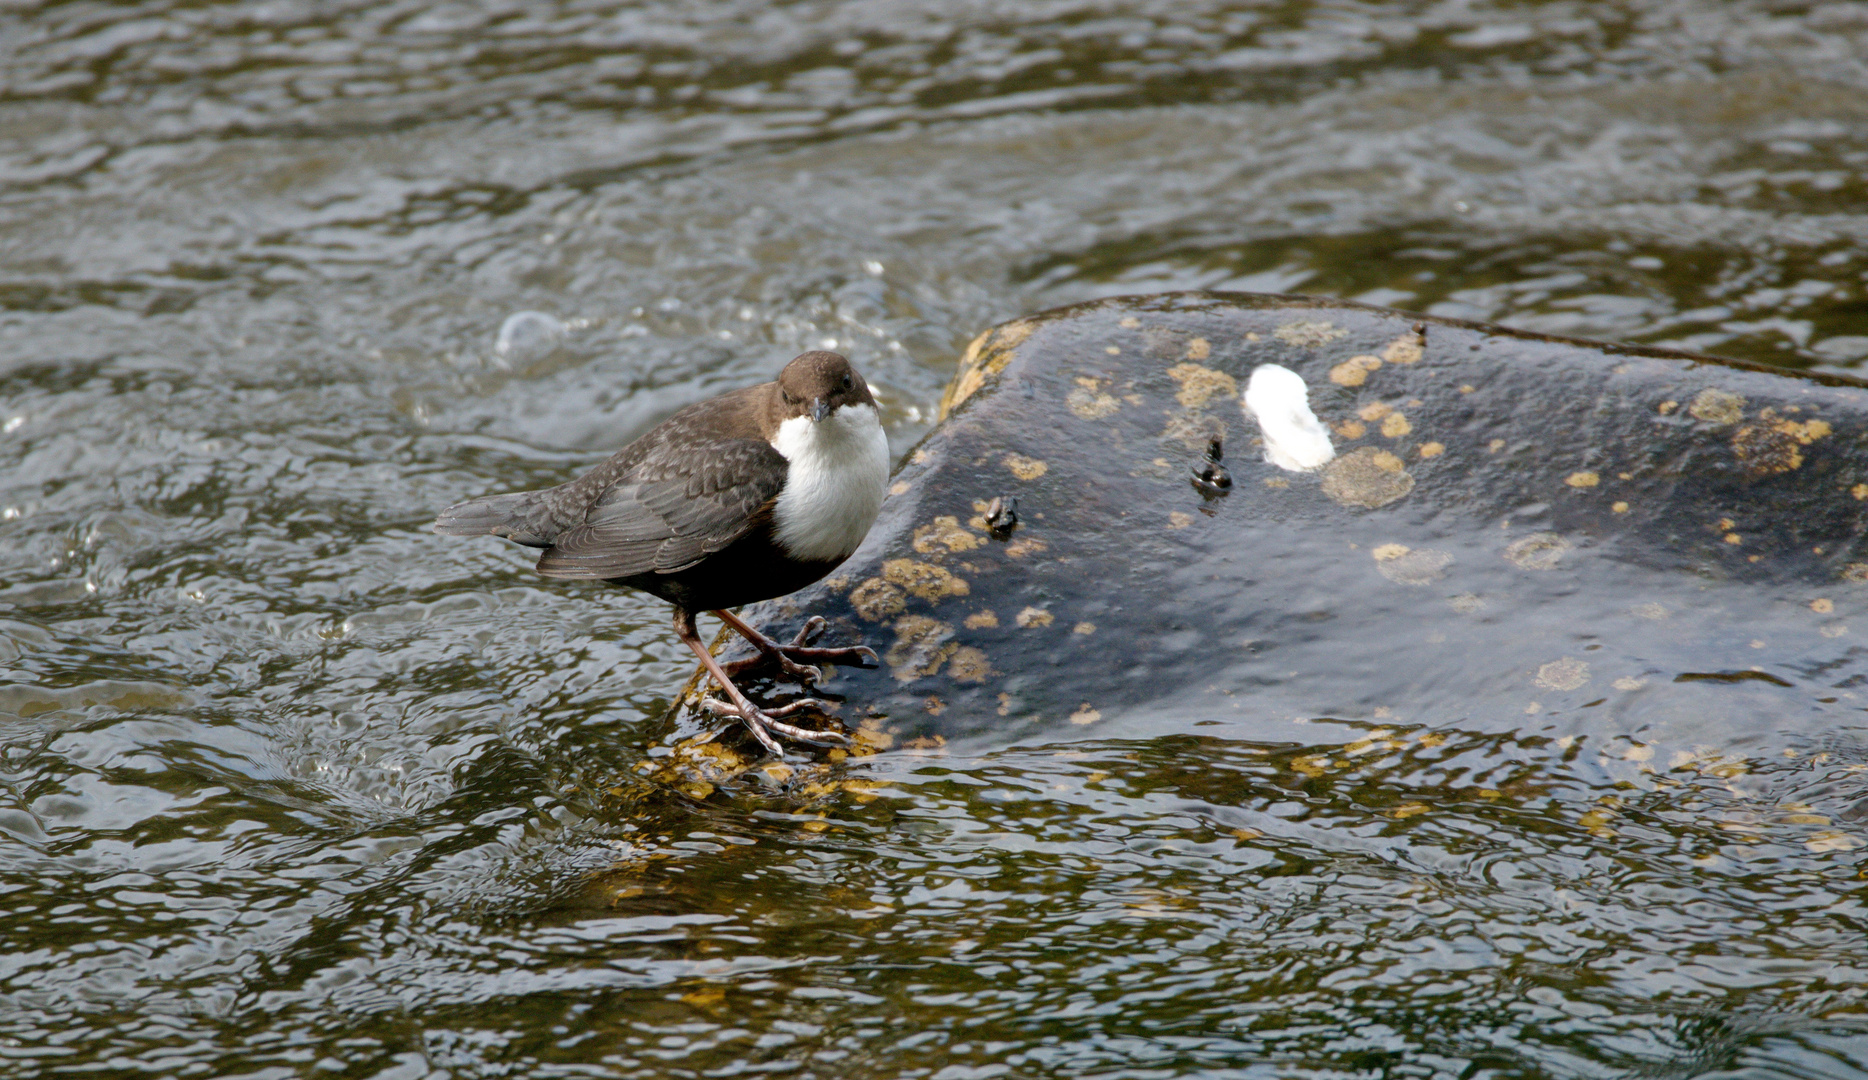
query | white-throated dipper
(739,498)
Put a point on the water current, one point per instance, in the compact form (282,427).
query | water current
(291,787)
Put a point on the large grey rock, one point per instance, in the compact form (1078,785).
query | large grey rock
(1648,549)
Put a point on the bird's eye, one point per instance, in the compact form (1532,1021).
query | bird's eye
(846,382)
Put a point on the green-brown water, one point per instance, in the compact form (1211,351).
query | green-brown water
(291,787)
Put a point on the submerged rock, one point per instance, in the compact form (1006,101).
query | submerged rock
(1515,533)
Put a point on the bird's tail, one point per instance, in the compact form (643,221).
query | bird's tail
(516,516)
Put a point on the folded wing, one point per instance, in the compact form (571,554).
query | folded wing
(670,511)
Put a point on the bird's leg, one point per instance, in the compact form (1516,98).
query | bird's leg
(757,722)
(797,658)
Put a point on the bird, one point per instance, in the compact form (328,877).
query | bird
(742,497)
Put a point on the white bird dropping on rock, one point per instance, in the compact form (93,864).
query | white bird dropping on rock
(1279,400)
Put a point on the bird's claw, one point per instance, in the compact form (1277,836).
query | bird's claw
(764,723)
(797,661)
(726,708)
(812,627)
(805,675)
(790,655)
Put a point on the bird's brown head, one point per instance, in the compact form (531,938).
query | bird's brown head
(817,383)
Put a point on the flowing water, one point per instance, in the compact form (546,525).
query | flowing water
(290,786)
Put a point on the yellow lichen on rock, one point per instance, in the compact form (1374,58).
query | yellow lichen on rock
(981,620)
(968,664)
(1023,546)
(1719,408)
(1355,370)
(1405,349)
(1091,404)
(1395,425)
(877,600)
(1085,715)
(1198,385)
(1198,349)
(869,738)
(1432,449)
(921,646)
(1772,444)
(925,580)
(1034,618)
(1582,480)
(1308,333)
(698,765)
(1405,566)
(1091,399)
(1193,429)
(1025,468)
(1366,477)
(1538,551)
(945,535)
(987,356)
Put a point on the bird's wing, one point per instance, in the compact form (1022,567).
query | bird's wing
(670,511)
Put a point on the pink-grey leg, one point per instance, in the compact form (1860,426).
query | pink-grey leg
(760,723)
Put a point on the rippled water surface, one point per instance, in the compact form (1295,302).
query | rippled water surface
(291,787)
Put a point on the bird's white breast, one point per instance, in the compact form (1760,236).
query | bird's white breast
(838,474)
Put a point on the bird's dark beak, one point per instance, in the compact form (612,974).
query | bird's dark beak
(820,408)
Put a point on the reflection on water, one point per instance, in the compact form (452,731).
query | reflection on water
(292,789)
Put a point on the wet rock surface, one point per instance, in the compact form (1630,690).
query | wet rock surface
(1519,534)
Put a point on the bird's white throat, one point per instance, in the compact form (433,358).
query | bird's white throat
(838,474)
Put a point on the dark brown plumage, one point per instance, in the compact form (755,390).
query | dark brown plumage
(740,498)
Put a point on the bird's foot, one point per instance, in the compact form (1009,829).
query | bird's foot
(765,725)
(797,660)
